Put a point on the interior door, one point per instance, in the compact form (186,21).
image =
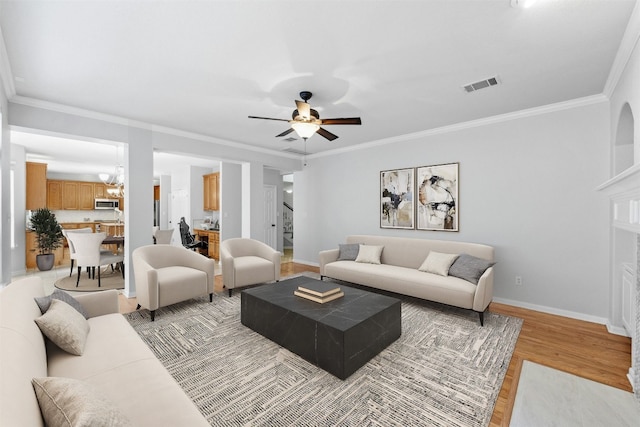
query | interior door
(270,216)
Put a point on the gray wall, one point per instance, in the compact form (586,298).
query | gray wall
(526,188)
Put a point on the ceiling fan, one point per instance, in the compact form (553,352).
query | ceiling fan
(306,121)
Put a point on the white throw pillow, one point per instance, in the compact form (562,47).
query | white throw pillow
(71,402)
(369,254)
(63,325)
(438,263)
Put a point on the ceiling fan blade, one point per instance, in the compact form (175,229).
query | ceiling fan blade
(347,121)
(268,118)
(326,134)
(285,133)
(303,109)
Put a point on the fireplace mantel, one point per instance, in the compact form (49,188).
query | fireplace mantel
(624,191)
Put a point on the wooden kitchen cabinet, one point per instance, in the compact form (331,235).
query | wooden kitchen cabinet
(86,196)
(54,195)
(211,190)
(36,180)
(70,195)
(100,191)
(213,240)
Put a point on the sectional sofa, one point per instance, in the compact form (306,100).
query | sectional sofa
(448,272)
(116,378)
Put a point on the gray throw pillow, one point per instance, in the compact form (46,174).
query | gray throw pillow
(348,252)
(469,268)
(45,302)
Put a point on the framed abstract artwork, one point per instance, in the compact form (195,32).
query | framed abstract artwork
(396,198)
(438,206)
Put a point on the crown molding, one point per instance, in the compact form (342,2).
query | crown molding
(60,108)
(5,70)
(627,46)
(530,112)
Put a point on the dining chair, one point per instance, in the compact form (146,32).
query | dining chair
(88,254)
(163,237)
(72,250)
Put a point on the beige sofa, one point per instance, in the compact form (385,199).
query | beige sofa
(115,362)
(167,274)
(398,270)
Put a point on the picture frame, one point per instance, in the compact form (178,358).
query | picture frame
(397,187)
(437,201)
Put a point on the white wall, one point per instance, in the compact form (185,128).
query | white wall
(230,200)
(5,211)
(526,188)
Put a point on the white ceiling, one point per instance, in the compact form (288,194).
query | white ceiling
(204,66)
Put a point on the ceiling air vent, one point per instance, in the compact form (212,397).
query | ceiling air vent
(472,87)
(290,139)
(294,151)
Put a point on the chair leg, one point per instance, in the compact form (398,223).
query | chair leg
(138,307)
(210,297)
(78,279)
(122,268)
(93,273)
(98,275)
(230,291)
(153,315)
(481,313)
(71,270)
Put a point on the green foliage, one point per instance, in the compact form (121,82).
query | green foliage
(48,231)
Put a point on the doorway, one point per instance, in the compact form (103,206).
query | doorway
(287,216)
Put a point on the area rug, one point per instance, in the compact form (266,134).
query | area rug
(445,369)
(547,396)
(108,280)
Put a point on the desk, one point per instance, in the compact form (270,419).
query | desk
(212,237)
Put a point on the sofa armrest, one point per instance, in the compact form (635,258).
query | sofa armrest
(99,303)
(484,291)
(326,257)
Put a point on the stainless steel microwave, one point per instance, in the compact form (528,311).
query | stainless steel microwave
(106,204)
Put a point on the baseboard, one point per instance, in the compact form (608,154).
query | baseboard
(304,261)
(630,377)
(556,311)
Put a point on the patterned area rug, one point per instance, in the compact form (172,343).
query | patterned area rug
(445,370)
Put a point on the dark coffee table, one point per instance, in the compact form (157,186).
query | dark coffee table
(339,336)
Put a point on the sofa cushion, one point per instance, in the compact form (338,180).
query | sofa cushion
(69,402)
(438,263)
(45,302)
(63,325)
(469,268)
(369,254)
(348,251)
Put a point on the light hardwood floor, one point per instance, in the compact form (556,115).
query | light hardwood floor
(580,348)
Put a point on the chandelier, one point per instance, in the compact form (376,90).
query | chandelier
(114,180)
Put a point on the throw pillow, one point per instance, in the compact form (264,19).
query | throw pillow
(63,325)
(45,302)
(369,254)
(469,268)
(348,252)
(438,263)
(71,402)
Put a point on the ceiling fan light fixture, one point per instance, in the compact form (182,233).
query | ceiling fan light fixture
(305,129)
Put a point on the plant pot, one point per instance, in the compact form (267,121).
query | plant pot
(45,261)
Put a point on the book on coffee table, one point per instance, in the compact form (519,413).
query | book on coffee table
(321,300)
(319,289)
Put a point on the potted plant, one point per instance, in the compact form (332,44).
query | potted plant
(48,237)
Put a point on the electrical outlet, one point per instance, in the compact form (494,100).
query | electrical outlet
(519,280)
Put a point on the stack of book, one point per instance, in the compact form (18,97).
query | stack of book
(319,292)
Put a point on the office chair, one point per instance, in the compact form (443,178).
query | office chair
(188,240)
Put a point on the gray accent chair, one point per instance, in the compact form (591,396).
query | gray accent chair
(167,274)
(248,262)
